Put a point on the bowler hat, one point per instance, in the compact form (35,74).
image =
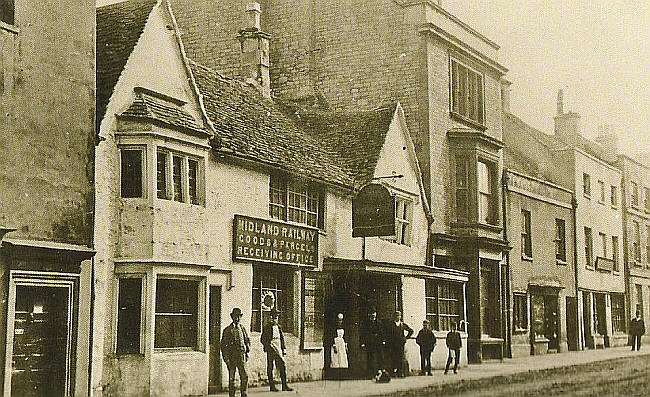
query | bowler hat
(235,312)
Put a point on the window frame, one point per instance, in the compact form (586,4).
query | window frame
(198,315)
(170,175)
(284,277)
(463,90)
(10,9)
(636,243)
(586,185)
(589,247)
(462,179)
(601,191)
(646,199)
(614,196)
(615,254)
(435,300)
(143,170)
(286,186)
(560,241)
(618,313)
(634,195)
(407,220)
(526,235)
(492,217)
(141,333)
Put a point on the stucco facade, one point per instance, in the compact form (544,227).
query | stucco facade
(47,100)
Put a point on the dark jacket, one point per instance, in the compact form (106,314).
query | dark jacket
(426,339)
(453,340)
(229,347)
(267,336)
(637,327)
(372,335)
(395,334)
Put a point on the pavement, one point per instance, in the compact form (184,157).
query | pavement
(320,388)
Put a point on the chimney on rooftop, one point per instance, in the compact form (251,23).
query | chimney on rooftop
(607,138)
(567,125)
(255,51)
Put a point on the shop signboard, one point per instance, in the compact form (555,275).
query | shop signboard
(604,264)
(264,240)
(373,212)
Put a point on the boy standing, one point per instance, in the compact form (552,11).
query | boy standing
(453,344)
(427,341)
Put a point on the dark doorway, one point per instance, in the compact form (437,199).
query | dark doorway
(586,320)
(42,342)
(572,322)
(214,339)
(600,314)
(551,330)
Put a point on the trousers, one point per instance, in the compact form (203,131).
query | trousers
(237,363)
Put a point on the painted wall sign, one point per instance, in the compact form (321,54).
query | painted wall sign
(604,264)
(373,212)
(274,242)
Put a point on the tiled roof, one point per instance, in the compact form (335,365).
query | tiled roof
(258,129)
(355,138)
(119,27)
(156,107)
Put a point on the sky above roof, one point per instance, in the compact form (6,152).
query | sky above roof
(596,51)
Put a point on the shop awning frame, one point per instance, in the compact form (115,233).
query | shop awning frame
(421,271)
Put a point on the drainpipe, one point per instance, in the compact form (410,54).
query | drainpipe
(92,330)
(507,324)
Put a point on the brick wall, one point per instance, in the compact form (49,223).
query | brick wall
(48,106)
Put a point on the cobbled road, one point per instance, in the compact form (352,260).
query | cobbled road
(617,377)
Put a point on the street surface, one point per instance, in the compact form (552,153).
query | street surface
(629,376)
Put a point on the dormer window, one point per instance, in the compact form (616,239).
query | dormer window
(295,201)
(178,177)
(403,221)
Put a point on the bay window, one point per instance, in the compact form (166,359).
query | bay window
(178,177)
(176,313)
(487,194)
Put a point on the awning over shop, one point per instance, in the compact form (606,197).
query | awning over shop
(29,254)
(339,264)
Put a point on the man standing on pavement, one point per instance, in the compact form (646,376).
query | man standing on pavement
(396,339)
(372,339)
(273,342)
(235,346)
(637,329)
(426,339)
(453,344)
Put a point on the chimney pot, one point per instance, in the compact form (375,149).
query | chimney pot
(254,12)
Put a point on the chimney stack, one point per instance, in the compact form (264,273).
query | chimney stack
(567,125)
(505,95)
(607,138)
(255,51)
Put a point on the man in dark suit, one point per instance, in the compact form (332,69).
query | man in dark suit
(637,329)
(454,343)
(396,335)
(235,346)
(372,339)
(273,342)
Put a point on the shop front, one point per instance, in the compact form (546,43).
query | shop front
(545,324)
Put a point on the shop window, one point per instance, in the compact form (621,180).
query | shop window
(634,194)
(601,191)
(636,242)
(526,238)
(176,313)
(313,307)
(131,172)
(560,240)
(487,193)
(520,312)
(467,93)
(462,189)
(586,184)
(589,248)
(296,201)
(615,253)
(614,197)
(176,172)
(403,221)
(7,11)
(489,298)
(618,313)
(444,303)
(272,288)
(129,314)
(603,243)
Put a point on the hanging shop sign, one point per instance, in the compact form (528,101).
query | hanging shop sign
(373,212)
(269,241)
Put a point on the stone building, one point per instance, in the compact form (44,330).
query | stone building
(211,195)
(46,200)
(350,55)
(586,168)
(635,199)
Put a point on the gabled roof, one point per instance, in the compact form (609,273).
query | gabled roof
(258,129)
(356,139)
(119,27)
(153,106)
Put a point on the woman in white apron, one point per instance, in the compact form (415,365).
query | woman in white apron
(339,349)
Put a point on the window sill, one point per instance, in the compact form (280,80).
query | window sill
(179,350)
(9,28)
(520,331)
(614,206)
(561,262)
(601,202)
(587,196)
(526,258)
(490,227)
(465,120)
(590,267)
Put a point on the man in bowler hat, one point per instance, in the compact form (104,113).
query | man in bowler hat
(235,346)
(273,342)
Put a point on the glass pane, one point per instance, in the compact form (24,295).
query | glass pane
(131,175)
(177,170)
(161,175)
(192,174)
(129,315)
